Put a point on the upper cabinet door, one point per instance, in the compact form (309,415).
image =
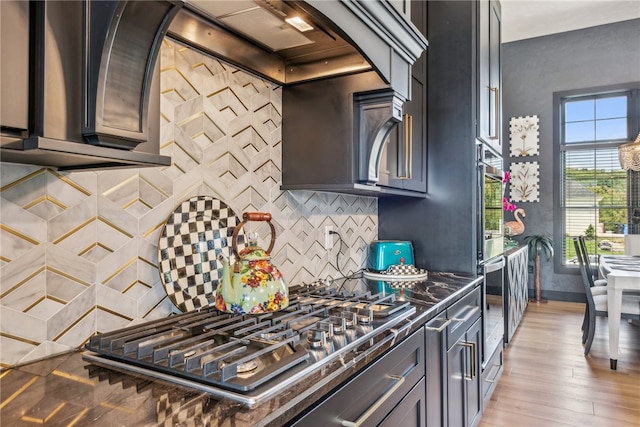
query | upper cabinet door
(489,72)
(14,86)
(403,163)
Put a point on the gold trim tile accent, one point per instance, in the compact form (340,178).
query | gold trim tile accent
(108,310)
(45,419)
(154,307)
(78,417)
(120,185)
(18,392)
(153,230)
(23,281)
(68,276)
(74,323)
(115,227)
(118,407)
(71,183)
(23,179)
(38,301)
(75,378)
(43,199)
(120,270)
(18,234)
(95,245)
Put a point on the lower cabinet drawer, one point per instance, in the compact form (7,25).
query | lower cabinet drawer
(411,411)
(371,396)
(462,315)
(491,374)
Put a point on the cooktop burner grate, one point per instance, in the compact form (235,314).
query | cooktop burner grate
(244,356)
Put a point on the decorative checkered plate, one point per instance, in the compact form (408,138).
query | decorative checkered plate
(192,238)
(398,273)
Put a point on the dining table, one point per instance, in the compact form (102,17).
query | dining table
(623,274)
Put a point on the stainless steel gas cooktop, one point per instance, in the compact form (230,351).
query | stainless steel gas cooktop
(252,358)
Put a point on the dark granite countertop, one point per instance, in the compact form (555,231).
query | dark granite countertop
(67,390)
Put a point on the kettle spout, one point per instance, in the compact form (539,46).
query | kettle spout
(224,292)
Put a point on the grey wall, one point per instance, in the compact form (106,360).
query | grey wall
(533,70)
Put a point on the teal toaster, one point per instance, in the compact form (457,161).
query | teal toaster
(383,253)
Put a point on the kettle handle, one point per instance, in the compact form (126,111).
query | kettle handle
(253,216)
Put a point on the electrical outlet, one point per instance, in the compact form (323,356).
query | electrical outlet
(328,237)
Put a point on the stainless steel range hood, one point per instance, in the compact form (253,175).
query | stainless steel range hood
(361,51)
(342,37)
(93,101)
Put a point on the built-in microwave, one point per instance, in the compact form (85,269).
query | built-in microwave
(491,210)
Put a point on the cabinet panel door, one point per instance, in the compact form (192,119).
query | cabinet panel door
(410,411)
(489,83)
(14,65)
(474,396)
(403,163)
(456,368)
(435,347)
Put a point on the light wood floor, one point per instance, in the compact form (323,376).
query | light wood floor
(547,380)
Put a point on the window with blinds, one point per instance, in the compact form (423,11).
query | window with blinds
(597,196)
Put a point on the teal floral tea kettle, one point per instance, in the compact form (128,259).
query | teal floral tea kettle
(255,285)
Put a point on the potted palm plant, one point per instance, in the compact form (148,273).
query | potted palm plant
(539,244)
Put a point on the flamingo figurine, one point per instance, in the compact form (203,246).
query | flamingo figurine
(515,228)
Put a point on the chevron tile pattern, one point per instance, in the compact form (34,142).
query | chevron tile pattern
(78,250)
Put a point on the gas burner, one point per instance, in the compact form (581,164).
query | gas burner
(247,366)
(251,358)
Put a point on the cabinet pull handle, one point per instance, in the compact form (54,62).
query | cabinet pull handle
(405,167)
(472,350)
(441,327)
(363,418)
(496,99)
(471,311)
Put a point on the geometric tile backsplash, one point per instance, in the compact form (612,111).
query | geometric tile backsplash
(78,250)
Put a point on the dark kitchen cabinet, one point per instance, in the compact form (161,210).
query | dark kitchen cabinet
(435,365)
(464,341)
(403,163)
(489,74)
(445,228)
(463,384)
(354,134)
(390,392)
(14,66)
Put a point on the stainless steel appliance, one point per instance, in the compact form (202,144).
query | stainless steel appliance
(493,296)
(491,263)
(491,210)
(252,358)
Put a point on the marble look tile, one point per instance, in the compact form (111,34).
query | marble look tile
(62,287)
(70,265)
(24,224)
(124,254)
(74,311)
(107,321)
(79,332)
(12,351)
(45,350)
(115,301)
(45,309)
(23,325)
(28,293)
(111,214)
(151,223)
(71,220)
(19,270)
(66,191)
(12,172)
